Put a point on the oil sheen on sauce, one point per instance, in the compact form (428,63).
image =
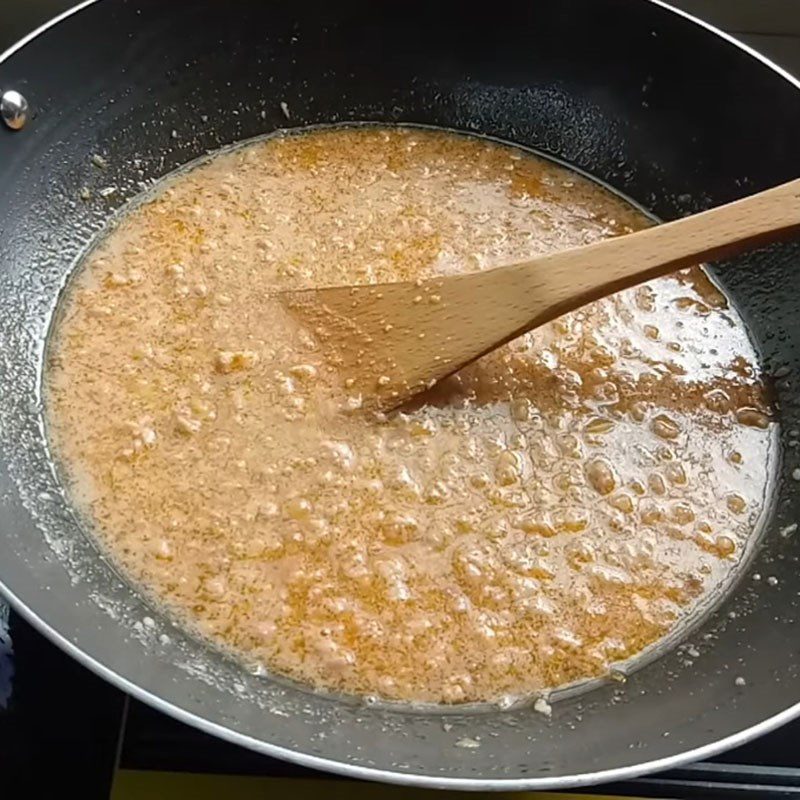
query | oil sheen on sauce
(553,509)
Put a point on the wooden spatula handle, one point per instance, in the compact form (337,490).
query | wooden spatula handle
(616,264)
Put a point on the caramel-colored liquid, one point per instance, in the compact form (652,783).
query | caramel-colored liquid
(554,508)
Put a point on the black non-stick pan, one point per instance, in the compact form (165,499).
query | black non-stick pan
(667,111)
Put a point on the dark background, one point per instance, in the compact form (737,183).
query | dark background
(771,26)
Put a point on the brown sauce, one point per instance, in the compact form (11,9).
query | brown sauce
(555,508)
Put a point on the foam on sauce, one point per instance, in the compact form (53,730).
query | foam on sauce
(553,509)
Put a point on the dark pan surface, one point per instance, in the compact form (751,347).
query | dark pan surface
(662,109)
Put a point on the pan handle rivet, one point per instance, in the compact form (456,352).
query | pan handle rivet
(14,109)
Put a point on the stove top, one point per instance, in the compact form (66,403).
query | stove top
(62,725)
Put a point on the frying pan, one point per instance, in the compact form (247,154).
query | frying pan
(662,108)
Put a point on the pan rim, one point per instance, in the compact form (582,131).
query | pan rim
(372,773)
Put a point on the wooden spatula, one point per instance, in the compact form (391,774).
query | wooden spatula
(393,340)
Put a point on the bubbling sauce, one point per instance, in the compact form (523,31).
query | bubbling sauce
(554,508)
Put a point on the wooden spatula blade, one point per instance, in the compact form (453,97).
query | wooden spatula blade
(392,340)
